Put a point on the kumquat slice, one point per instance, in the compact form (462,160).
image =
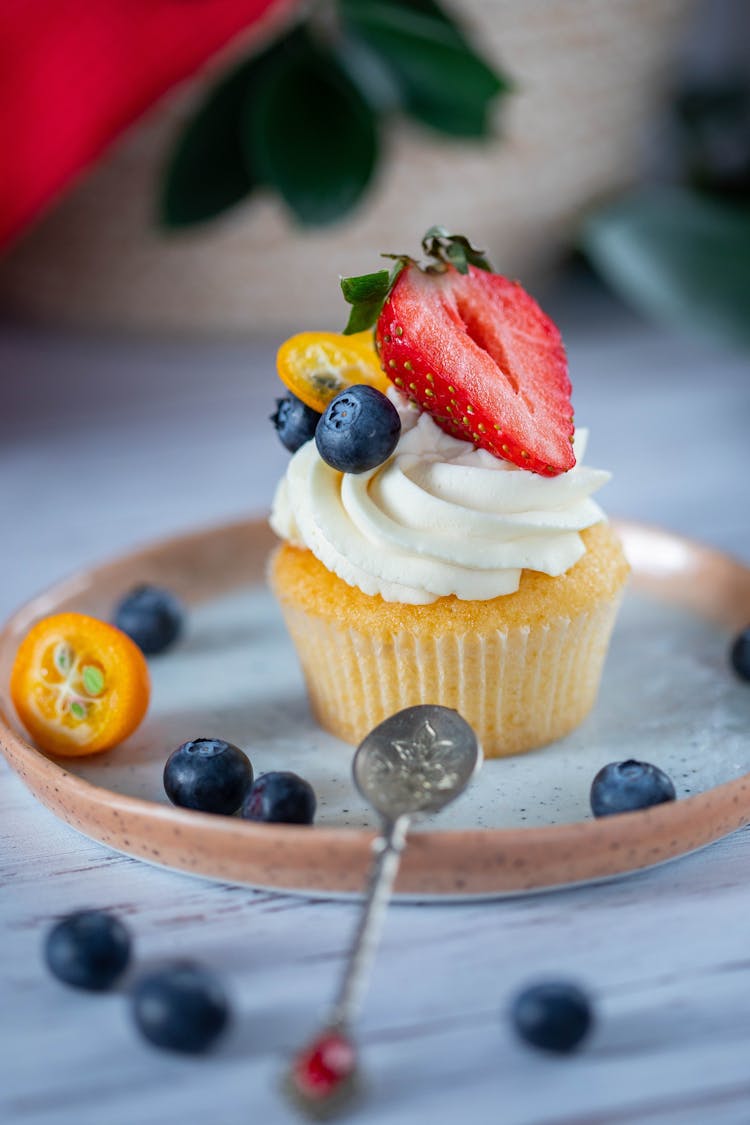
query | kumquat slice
(79,685)
(316,366)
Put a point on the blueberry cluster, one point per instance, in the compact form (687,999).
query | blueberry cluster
(358,431)
(181,1007)
(212,775)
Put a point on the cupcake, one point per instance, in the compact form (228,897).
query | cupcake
(440,544)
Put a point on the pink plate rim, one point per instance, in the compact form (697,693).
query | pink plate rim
(322,860)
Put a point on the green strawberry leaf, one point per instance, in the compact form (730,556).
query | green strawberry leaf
(310,133)
(678,257)
(207,171)
(366,287)
(443,81)
(368,293)
(453,249)
(363,315)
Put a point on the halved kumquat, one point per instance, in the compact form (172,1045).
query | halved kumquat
(316,366)
(79,685)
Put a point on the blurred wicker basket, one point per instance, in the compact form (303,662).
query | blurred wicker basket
(588,72)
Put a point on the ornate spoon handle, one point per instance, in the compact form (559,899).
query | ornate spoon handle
(388,848)
(323,1077)
(416,761)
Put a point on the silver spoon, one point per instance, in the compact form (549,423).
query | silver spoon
(416,762)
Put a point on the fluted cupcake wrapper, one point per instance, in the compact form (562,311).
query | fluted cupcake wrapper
(519,688)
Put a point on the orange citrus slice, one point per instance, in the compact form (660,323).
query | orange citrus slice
(316,366)
(79,685)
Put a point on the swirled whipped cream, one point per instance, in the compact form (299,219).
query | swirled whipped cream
(438,517)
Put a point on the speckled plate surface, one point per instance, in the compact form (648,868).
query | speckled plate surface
(524,824)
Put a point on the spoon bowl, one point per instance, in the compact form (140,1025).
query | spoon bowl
(416,761)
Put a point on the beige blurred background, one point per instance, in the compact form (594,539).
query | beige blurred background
(590,74)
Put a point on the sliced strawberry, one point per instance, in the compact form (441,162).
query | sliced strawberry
(477,352)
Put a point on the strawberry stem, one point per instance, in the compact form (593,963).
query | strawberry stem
(453,250)
(368,293)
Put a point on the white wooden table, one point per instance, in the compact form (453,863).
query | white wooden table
(105,444)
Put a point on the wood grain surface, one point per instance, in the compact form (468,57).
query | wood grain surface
(158,439)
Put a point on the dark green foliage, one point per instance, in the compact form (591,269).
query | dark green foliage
(303,118)
(681,254)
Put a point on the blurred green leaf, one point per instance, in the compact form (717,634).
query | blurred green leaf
(443,82)
(207,171)
(422,7)
(310,133)
(679,257)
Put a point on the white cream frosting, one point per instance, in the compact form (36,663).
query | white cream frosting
(438,517)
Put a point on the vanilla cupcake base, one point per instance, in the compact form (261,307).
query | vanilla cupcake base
(523,669)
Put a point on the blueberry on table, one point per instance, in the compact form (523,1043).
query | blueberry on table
(182,1007)
(627,786)
(359,430)
(554,1016)
(152,617)
(89,949)
(295,422)
(208,774)
(740,654)
(280,798)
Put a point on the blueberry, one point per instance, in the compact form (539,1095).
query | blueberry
(359,430)
(554,1016)
(740,654)
(208,774)
(625,786)
(88,949)
(182,1007)
(295,422)
(151,617)
(283,798)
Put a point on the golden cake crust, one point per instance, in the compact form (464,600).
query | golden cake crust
(522,669)
(297,576)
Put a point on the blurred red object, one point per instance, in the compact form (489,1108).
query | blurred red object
(75,73)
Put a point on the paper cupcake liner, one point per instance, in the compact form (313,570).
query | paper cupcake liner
(518,688)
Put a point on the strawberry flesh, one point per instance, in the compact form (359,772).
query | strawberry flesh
(477,352)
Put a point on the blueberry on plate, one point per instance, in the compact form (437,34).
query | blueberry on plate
(280,798)
(208,774)
(626,786)
(740,654)
(295,422)
(182,1007)
(152,617)
(359,430)
(89,949)
(554,1016)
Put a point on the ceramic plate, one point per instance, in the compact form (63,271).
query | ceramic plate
(668,697)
